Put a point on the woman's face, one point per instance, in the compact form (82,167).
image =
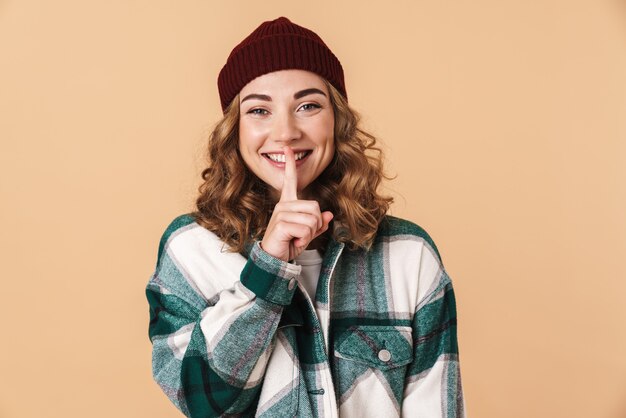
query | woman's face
(288,107)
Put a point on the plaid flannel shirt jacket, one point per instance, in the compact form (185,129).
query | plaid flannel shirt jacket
(236,334)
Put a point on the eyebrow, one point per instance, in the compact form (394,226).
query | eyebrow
(306,92)
(297,95)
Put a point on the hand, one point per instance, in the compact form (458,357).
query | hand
(294,223)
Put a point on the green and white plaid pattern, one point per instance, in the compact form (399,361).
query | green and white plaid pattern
(236,335)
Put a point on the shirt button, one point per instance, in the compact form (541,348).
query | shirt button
(292,284)
(384,355)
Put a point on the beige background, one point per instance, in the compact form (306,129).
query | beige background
(505,122)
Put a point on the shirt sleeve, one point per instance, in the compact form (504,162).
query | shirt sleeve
(433,382)
(209,356)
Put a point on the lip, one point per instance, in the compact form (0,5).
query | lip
(282,165)
(295,151)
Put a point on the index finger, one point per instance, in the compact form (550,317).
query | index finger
(290,178)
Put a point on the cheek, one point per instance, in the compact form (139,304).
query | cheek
(246,151)
(324,133)
(246,145)
(330,130)
(250,139)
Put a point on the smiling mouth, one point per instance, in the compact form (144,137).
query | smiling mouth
(280,158)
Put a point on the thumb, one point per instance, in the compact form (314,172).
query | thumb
(326,218)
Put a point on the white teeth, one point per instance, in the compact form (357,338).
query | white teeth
(280,158)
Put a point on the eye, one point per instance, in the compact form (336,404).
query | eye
(310,106)
(257,111)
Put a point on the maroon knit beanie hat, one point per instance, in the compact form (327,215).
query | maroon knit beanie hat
(277,45)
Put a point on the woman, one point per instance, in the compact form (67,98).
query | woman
(290,291)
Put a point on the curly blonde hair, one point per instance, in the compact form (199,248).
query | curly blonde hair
(235,205)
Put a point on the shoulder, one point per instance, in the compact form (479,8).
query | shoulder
(395,229)
(175,227)
(192,257)
(411,253)
(193,263)
(185,239)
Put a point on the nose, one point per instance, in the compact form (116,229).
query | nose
(285,128)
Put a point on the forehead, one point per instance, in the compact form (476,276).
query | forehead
(284,82)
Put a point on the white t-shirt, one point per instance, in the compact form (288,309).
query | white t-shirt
(311,262)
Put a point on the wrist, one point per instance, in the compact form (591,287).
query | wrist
(270,253)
